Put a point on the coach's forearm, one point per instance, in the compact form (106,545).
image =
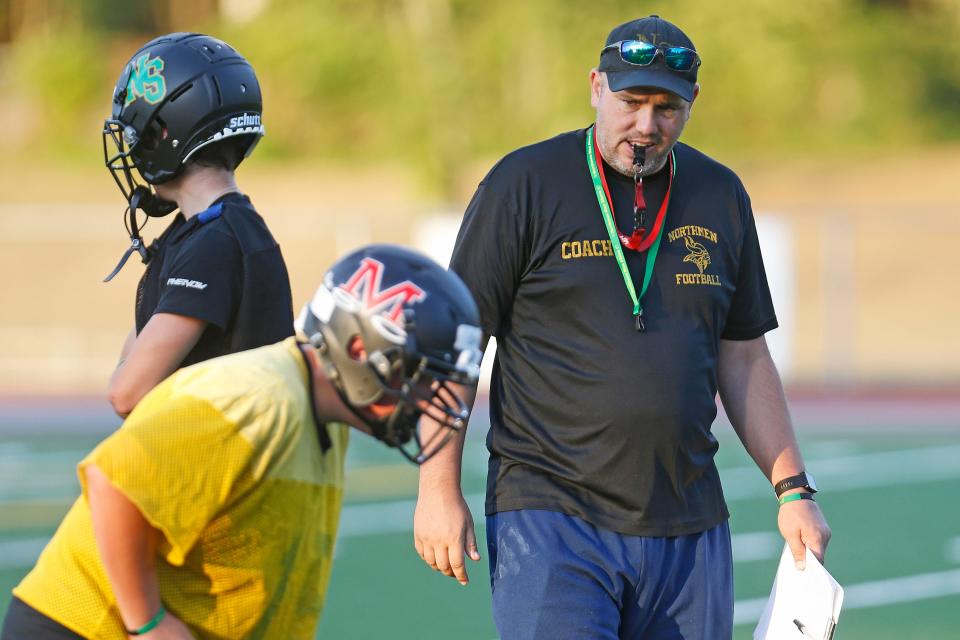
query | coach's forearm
(753,398)
(127,545)
(442,471)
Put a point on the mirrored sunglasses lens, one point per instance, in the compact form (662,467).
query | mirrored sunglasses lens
(636,52)
(679,59)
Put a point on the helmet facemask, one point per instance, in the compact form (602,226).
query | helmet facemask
(424,387)
(121,164)
(137,196)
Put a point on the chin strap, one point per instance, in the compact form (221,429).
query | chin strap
(141,198)
(322,434)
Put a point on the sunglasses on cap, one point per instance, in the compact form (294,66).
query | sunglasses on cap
(641,54)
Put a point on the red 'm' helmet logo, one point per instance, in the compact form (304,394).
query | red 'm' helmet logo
(364,285)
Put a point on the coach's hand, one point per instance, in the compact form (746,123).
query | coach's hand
(443,531)
(803,525)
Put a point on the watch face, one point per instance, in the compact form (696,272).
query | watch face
(810,483)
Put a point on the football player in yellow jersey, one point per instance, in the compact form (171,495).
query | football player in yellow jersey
(212,512)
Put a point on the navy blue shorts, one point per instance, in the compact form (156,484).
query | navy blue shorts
(23,622)
(556,576)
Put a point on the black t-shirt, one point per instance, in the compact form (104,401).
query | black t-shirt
(588,416)
(224,267)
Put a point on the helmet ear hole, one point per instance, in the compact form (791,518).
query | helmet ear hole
(356,350)
(152,135)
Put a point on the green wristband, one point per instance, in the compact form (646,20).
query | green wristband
(151,624)
(795,496)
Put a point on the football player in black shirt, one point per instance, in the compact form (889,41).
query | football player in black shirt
(620,271)
(186,111)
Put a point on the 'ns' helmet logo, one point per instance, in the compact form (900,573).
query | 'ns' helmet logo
(365,287)
(146,80)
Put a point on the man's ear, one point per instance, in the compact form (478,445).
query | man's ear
(696,92)
(597,82)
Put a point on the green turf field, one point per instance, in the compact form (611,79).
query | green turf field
(891,499)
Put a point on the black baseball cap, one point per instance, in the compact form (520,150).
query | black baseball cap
(657,31)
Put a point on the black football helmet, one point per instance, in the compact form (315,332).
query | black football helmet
(420,330)
(177,94)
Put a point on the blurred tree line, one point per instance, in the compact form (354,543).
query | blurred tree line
(439,85)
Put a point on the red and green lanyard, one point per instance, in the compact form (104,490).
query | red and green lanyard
(595,162)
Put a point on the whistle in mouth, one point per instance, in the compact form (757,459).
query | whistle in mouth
(639,155)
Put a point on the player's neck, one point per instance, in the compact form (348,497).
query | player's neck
(202,187)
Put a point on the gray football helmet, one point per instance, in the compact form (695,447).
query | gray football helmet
(420,331)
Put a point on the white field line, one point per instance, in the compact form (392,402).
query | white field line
(758,545)
(397,517)
(18,554)
(42,474)
(739,483)
(953,550)
(909,466)
(876,593)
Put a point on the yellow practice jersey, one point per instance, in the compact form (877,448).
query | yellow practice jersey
(224,459)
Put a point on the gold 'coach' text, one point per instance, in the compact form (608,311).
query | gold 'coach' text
(585,249)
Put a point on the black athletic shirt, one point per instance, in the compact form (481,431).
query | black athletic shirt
(588,416)
(224,269)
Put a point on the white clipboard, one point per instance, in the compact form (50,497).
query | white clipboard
(803,605)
